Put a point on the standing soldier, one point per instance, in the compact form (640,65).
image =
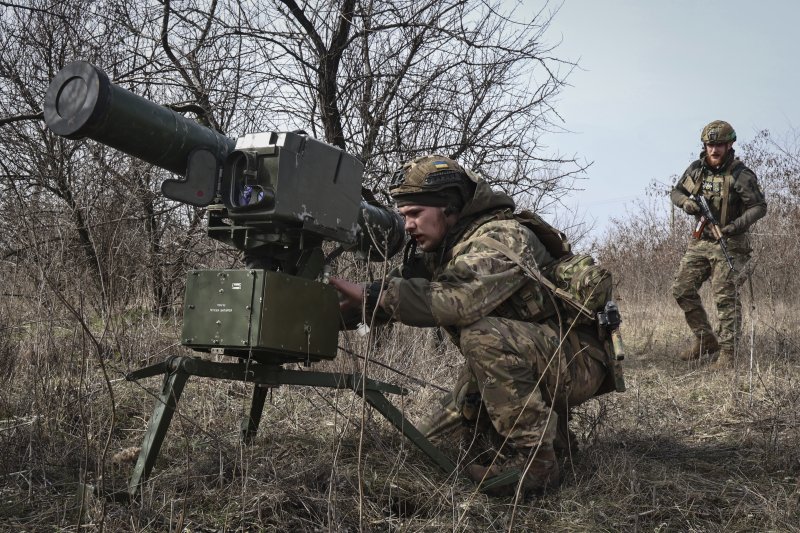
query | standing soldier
(736,201)
(472,280)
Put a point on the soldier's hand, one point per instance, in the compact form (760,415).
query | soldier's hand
(691,207)
(351,294)
(728,230)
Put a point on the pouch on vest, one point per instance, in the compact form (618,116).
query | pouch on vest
(580,285)
(584,279)
(531,304)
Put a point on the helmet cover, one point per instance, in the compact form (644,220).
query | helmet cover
(433,180)
(718,132)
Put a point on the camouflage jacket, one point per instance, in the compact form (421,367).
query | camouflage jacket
(732,191)
(466,279)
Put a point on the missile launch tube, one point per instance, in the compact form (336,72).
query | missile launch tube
(82,102)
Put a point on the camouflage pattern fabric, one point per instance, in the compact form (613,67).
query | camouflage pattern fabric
(472,282)
(703,260)
(745,199)
(736,199)
(517,369)
(719,132)
(506,359)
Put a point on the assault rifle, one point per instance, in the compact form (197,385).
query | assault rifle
(275,196)
(708,220)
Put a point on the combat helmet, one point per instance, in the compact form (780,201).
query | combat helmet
(718,132)
(432,180)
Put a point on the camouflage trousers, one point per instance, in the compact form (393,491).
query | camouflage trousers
(703,260)
(514,373)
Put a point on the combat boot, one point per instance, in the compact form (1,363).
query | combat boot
(724,360)
(542,474)
(708,345)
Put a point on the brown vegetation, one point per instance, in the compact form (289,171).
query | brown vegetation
(684,448)
(93,260)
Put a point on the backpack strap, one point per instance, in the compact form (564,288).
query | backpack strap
(535,274)
(728,181)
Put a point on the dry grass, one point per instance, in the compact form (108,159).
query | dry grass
(685,448)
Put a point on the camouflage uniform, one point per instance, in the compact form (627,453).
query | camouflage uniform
(736,200)
(517,365)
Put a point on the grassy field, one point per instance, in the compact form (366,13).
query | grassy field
(685,448)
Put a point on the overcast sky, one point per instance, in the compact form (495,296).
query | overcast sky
(653,73)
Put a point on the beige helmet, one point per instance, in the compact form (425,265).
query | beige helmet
(718,132)
(432,180)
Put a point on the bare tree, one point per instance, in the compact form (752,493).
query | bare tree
(81,195)
(392,79)
(386,80)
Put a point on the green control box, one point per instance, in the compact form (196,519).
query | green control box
(266,315)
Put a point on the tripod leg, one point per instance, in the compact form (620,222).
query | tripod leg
(250,424)
(157,428)
(393,415)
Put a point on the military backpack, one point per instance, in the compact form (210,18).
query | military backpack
(581,293)
(576,279)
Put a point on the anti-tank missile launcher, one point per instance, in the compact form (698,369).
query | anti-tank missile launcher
(275,196)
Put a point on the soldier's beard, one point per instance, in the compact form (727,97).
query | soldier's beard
(716,160)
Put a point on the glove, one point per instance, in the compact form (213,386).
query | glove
(691,207)
(728,230)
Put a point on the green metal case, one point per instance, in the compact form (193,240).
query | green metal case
(269,316)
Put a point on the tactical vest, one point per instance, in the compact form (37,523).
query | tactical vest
(716,188)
